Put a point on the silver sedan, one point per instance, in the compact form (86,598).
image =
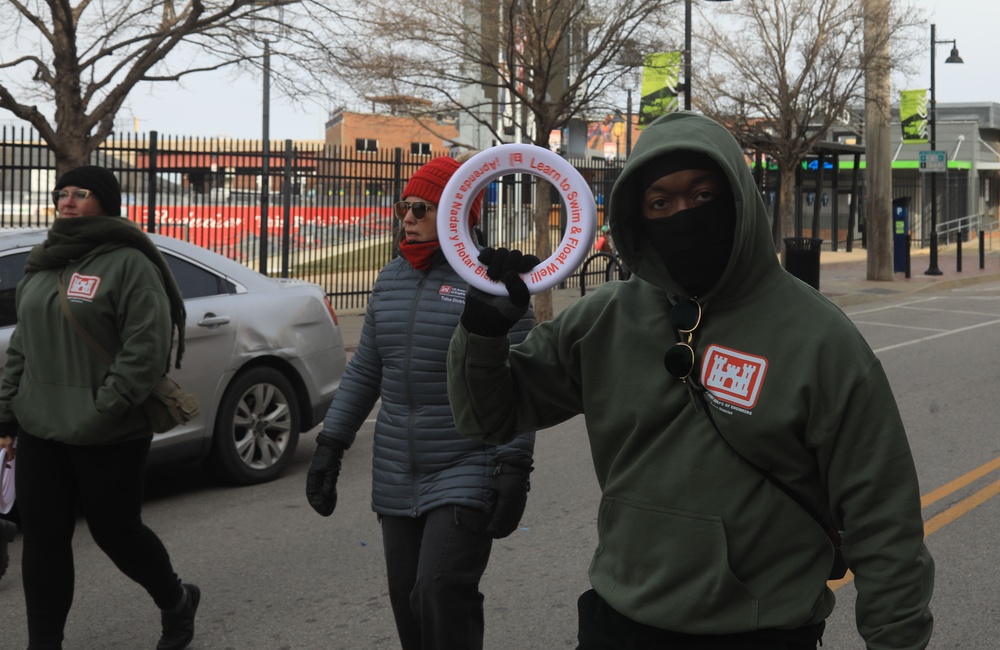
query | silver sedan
(264,357)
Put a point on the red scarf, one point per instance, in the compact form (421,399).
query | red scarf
(419,254)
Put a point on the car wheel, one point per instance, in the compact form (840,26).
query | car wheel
(257,428)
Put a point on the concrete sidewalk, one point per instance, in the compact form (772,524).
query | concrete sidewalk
(842,278)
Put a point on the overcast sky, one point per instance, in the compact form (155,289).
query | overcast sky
(217,105)
(975,25)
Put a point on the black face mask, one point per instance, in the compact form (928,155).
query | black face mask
(695,244)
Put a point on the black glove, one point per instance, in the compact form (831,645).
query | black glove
(489,315)
(321,481)
(509,496)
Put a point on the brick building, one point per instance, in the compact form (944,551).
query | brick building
(380,132)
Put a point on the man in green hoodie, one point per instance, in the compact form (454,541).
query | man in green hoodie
(736,420)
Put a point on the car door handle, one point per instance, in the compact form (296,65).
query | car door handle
(211,321)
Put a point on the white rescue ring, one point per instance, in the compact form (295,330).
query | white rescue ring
(459,244)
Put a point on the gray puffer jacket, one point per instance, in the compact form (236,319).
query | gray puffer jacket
(420,462)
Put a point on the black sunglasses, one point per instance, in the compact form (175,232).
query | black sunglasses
(419,208)
(685,317)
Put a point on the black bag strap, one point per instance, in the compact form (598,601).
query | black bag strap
(697,392)
(826,525)
(64,303)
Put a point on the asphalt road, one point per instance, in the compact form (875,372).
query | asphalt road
(940,352)
(275,575)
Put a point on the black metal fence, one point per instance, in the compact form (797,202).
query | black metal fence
(324,213)
(318,212)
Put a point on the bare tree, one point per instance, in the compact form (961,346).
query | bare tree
(786,71)
(518,68)
(73,67)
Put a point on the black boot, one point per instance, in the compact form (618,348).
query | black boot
(178,623)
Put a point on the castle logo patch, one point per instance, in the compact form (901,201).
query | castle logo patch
(733,377)
(83,287)
(451,293)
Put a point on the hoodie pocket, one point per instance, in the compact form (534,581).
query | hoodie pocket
(670,569)
(62,412)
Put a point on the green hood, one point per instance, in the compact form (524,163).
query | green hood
(753,263)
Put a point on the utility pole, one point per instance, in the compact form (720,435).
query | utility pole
(878,167)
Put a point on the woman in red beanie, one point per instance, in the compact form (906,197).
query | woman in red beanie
(441,498)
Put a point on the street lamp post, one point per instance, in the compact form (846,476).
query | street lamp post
(953,58)
(628,125)
(265,163)
(687,55)
(265,30)
(687,52)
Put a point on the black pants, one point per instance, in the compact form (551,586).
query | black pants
(434,563)
(602,628)
(52,479)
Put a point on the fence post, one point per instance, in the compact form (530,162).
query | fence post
(151,184)
(398,182)
(265,194)
(982,250)
(958,251)
(286,195)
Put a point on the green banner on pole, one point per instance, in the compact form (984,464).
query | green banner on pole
(660,75)
(913,116)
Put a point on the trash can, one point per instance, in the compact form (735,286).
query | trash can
(802,259)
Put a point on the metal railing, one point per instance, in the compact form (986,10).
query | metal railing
(960,230)
(968,223)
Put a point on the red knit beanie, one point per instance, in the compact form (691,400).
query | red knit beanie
(428,183)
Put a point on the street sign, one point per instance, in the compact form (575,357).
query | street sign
(933,161)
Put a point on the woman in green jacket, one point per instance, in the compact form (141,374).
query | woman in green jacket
(81,436)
